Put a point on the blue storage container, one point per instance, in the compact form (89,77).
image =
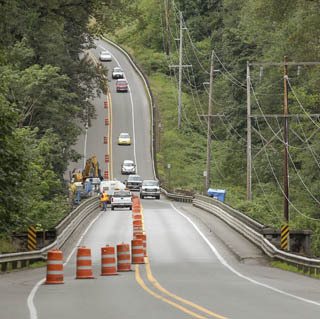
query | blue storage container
(218,194)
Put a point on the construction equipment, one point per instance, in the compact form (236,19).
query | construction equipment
(91,168)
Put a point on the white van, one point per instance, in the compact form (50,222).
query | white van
(111,186)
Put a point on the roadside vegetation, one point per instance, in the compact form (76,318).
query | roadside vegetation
(237,31)
(45,81)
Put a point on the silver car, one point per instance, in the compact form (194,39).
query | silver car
(150,188)
(128,167)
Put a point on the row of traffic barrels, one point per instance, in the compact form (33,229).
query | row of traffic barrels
(113,260)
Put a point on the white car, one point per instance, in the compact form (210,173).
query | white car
(128,167)
(117,73)
(121,199)
(105,56)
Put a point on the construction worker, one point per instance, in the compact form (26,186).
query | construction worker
(104,198)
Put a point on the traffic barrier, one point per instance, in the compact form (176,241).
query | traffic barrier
(137,216)
(108,261)
(105,139)
(106,121)
(137,251)
(84,263)
(54,267)
(106,104)
(136,232)
(137,223)
(143,237)
(136,209)
(106,158)
(123,257)
(106,174)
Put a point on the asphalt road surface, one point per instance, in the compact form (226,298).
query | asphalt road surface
(197,267)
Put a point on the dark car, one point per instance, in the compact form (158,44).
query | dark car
(134,182)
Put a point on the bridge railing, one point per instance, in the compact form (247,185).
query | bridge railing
(64,230)
(250,229)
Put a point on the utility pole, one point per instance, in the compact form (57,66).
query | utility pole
(209,124)
(180,66)
(180,72)
(167,37)
(286,143)
(285,233)
(249,155)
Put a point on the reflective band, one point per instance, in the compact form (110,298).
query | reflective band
(123,253)
(54,262)
(137,247)
(138,255)
(83,258)
(123,262)
(108,265)
(108,256)
(52,272)
(84,267)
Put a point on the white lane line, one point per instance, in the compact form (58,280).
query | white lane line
(32,309)
(132,111)
(224,263)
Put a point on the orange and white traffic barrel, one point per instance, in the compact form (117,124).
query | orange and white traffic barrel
(123,257)
(137,251)
(108,261)
(136,209)
(137,223)
(137,216)
(54,267)
(84,263)
(143,237)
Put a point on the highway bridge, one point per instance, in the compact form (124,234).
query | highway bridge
(196,266)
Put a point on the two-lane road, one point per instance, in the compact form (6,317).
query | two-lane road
(190,272)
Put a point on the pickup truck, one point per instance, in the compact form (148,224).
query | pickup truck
(122,198)
(134,182)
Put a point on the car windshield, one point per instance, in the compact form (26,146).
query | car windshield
(128,164)
(121,82)
(122,194)
(134,178)
(105,53)
(124,135)
(150,183)
(117,70)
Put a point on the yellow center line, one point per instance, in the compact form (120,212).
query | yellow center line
(172,303)
(157,285)
(110,135)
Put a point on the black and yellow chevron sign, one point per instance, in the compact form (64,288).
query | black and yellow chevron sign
(285,237)
(32,238)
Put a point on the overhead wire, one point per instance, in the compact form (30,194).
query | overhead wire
(279,185)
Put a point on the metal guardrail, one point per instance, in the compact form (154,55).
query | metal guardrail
(64,231)
(177,197)
(249,228)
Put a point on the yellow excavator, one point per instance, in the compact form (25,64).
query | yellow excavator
(91,168)
(78,186)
